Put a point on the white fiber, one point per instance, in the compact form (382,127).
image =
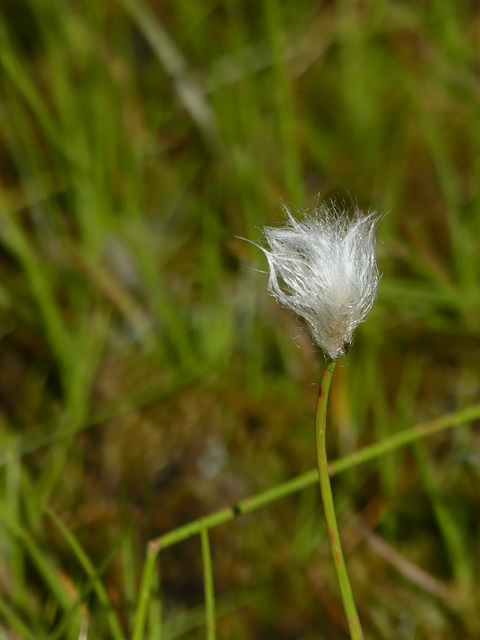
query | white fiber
(323,268)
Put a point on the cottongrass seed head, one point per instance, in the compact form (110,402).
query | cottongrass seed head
(323,268)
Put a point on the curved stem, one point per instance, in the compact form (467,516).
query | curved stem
(329,509)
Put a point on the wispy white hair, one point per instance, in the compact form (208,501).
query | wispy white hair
(323,268)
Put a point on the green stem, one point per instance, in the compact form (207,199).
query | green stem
(148,579)
(155,610)
(210,617)
(329,509)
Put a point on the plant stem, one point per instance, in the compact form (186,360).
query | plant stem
(329,509)
(210,617)
(148,579)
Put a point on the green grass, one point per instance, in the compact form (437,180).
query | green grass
(149,380)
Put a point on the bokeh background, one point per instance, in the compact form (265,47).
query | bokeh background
(146,376)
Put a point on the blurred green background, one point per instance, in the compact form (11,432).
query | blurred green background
(147,378)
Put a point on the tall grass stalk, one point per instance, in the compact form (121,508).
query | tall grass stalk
(210,617)
(353,620)
(148,579)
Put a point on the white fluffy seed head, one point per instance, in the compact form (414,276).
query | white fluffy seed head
(323,268)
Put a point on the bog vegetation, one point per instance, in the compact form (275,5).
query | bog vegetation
(147,378)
